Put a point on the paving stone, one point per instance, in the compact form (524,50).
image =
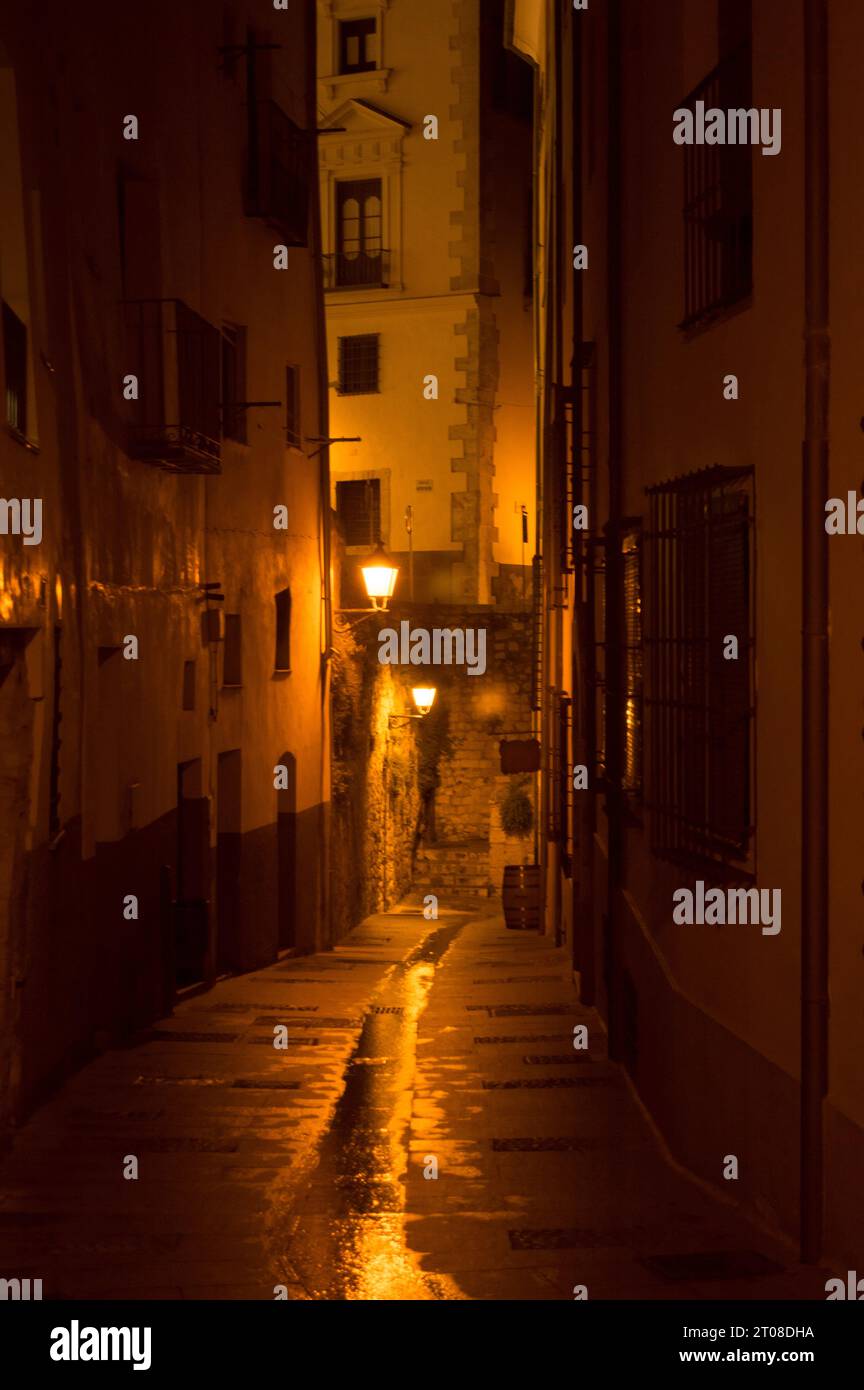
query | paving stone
(246,1179)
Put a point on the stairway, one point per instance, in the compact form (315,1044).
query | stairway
(454,867)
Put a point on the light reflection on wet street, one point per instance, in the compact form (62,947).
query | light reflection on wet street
(349,1241)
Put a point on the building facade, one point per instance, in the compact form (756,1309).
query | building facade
(165,732)
(425,158)
(701,653)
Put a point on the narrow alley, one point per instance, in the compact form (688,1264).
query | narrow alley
(431,678)
(410,1142)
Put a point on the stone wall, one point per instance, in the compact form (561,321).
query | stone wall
(411,801)
(376,780)
(482,710)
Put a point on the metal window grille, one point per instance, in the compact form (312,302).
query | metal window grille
(536,633)
(176,356)
(699,703)
(15,360)
(358,507)
(718,201)
(364,269)
(580,452)
(599,572)
(560,510)
(631,566)
(557,769)
(565,782)
(358,365)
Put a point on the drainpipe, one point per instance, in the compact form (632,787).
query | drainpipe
(324,454)
(556,559)
(581,680)
(814,690)
(614,807)
(545,521)
(538,657)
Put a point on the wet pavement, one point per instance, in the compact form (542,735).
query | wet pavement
(429,1132)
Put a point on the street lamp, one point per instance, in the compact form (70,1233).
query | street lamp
(423,697)
(379,576)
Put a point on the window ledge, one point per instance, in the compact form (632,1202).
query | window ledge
(349,294)
(22,439)
(375,80)
(696,327)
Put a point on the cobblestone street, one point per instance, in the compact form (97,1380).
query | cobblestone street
(413,1047)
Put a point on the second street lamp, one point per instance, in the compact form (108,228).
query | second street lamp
(423,697)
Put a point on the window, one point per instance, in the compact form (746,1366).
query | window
(598,559)
(233,382)
(283,630)
(15,359)
(512,75)
(279,171)
(232,656)
(359,258)
(718,201)
(176,355)
(358,507)
(631,580)
(358,365)
(56,721)
(700,702)
(358,46)
(559,776)
(293,435)
(188,702)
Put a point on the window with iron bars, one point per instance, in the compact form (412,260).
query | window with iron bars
(631,627)
(597,553)
(559,775)
(718,201)
(358,508)
(15,358)
(699,558)
(358,365)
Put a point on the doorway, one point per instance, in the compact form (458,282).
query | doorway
(192,904)
(286,851)
(229,853)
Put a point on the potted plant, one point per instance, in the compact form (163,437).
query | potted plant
(521,886)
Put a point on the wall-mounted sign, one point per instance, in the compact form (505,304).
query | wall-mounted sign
(519,755)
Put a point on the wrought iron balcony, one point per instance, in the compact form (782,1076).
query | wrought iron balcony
(174,353)
(345,270)
(279,172)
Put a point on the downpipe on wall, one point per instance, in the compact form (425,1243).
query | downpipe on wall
(814,639)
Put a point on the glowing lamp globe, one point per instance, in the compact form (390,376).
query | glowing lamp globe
(379,576)
(424,698)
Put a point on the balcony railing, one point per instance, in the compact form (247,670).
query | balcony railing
(174,354)
(361,269)
(279,172)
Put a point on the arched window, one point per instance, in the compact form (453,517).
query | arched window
(359,231)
